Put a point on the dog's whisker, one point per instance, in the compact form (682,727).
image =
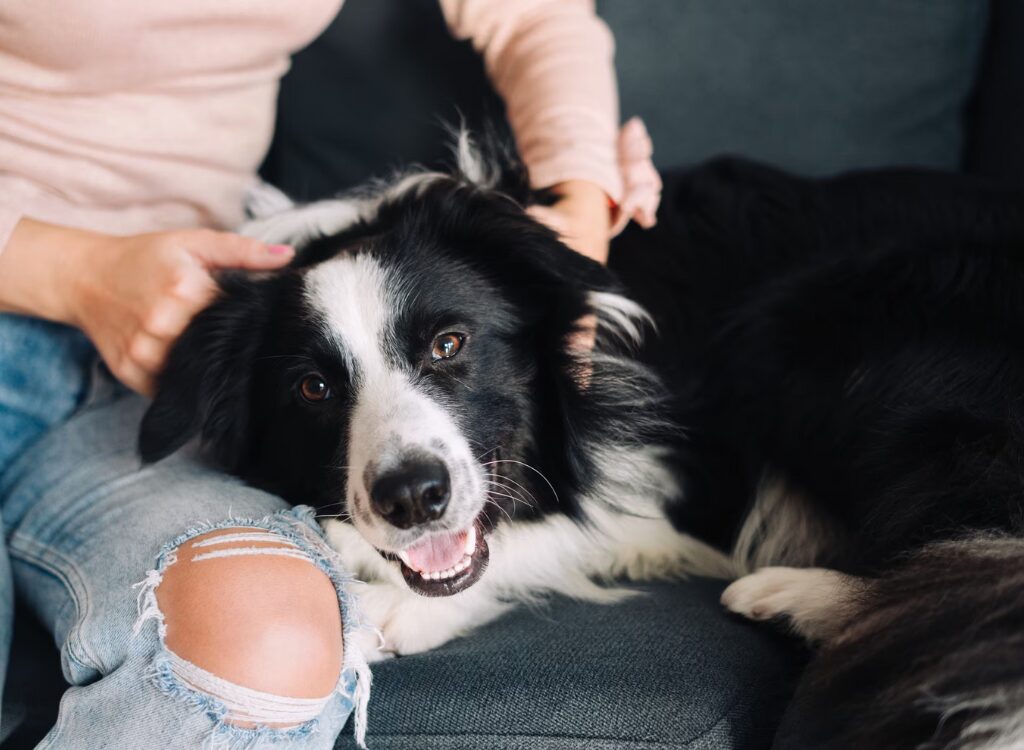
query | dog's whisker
(513,499)
(461,382)
(489,450)
(338,467)
(537,471)
(518,498)
(497,505)
(333,516)
(300,357)
(328,506)
(517,484)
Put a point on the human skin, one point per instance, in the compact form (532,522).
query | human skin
(134,295)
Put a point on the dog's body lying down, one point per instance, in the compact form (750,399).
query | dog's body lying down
(836,380)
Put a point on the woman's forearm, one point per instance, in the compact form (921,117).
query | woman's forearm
(38,268)
(551,61)
(133,295)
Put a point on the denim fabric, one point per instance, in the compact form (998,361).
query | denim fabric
(666,669)
(43,375)
(88,532)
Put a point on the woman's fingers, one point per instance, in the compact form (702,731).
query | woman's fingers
(128,371)
(148,352)
(226,250)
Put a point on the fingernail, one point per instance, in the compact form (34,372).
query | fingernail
(280,249)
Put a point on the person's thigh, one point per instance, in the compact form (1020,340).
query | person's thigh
(91,533)
(44,373)
(666,669)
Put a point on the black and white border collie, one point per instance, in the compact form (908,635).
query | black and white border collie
(412,375)
(831,399)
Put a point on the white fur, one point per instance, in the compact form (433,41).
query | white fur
(1000,722)
(782,528)
(391,417)
(620,316)
(277,220)
(528,562)
(471,165)
(813,599)
(263,199)
(298,225)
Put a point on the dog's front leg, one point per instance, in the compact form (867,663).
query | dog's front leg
(408,623)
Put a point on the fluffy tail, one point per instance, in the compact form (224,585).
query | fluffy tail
(930,657)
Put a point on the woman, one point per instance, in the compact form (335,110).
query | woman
(128,135)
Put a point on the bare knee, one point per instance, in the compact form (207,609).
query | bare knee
(255,613)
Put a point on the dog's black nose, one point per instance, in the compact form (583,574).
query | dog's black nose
(414,493)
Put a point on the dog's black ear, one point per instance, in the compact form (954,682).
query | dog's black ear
(582,397)
(206,383)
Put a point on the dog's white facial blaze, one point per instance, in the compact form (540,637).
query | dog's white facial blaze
(391,417)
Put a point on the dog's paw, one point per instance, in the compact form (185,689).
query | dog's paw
(370,643)
(401,622)
(766,594)
(813,600)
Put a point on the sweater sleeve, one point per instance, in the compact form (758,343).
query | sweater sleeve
(9,218)
(551,61)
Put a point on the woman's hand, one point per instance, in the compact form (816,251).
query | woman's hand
(135,295)
(581,216)
(584,216)
(132,296)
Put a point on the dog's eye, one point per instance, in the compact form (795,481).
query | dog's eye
(446,346)
(314,389)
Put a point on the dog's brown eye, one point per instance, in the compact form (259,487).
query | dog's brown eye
(446,346)
(314,389)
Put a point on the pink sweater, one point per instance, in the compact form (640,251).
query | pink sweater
(126,116)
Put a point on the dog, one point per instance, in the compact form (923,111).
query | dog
(847,361)
(413,376)
(814,382)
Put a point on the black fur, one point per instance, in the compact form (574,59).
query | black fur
(861,338)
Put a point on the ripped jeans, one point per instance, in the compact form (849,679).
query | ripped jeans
(97,545)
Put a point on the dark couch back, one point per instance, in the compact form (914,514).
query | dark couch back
(995,144)
(816,86)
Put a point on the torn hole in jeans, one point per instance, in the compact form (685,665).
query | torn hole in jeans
(242,716)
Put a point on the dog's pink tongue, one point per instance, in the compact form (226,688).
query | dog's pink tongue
(437,553)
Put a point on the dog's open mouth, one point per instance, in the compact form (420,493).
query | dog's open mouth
(444,564)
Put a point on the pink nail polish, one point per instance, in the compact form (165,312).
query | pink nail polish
(280,249)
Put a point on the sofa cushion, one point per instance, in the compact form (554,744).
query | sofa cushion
(665,669)
(815,86)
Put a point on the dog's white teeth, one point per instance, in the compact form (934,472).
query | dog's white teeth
(441,575)
(471,540)
(404,558)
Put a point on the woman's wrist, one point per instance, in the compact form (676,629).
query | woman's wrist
(585,214)
(41,267)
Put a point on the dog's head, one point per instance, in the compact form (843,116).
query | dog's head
(411,372)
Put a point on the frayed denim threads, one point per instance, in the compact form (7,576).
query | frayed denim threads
(295,534)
